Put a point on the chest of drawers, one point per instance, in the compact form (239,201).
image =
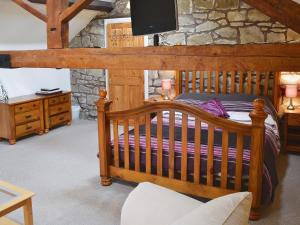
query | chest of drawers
(57,111)
(32,114)
(20,117)
(292,130)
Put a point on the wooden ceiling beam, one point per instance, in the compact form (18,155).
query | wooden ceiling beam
(96,5)
(57,32)
(261,57)
(286,12)
(31,10)
(73,10)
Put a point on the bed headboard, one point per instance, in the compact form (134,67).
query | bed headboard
(217,82)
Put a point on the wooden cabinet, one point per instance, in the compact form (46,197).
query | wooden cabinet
(20,117)
(57,110)
(292,130)
(32,114)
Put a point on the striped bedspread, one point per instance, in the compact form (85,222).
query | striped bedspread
(238,111)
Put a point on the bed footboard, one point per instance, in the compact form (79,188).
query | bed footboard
(128,164)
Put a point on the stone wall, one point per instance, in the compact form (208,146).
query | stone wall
(201,22)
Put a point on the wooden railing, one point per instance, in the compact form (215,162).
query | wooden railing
(229,82)
(203,185)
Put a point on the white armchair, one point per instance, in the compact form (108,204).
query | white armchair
(150,204)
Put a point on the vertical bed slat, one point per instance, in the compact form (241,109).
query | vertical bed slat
(194,81)
(171,143)
(257,91)
(210,155)
(224,87)
(239,163)
(178,83)
(224,163)
(201,81)
(184,147)
(137,155)
(209,82)
(116,143)
(232,83)
(148,144)
(241,83)
(266,84)
(126,143)
(249,85)
(197,151)
(217,82)
(187,78)
(159,144)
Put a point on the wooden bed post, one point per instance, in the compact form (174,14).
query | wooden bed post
(104,138)
(258,116)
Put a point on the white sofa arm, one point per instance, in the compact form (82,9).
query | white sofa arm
(149,204)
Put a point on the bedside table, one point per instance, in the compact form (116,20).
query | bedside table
(292,130)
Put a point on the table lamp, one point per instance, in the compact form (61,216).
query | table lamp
(291,91)
(290,82)
(166,87)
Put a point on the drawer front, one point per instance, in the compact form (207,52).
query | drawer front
(294,120)
(30,106)
(59,119)
(56,109)
(27,117)
(27,128)
(59,99)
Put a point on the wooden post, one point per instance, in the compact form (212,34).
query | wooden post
(104,138)
(57,31)
(258,117)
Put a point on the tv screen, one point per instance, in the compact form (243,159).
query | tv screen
(153,16)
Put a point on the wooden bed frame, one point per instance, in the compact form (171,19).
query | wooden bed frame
(108,124)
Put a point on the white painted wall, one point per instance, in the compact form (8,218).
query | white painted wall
(19,30)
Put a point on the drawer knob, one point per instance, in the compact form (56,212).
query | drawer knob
(60,108)
(28,117)
(61,118)
(28,128)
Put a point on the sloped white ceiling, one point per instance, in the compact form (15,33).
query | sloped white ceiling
(298,1)
(19,27)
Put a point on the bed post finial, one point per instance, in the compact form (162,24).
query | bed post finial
(104,138)
(258,116)
(102,94)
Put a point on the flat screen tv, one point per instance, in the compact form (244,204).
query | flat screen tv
(153,16)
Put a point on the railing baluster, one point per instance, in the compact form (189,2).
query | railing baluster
(194,81)
(137,150)
(241,82)
(239,163)
(159,144)
(184,147)
(224,163)
(201,81)
(116,144)
(209,82)
(148,144)
(232,85)
(171,143)
(210,156)
(224,87)
(257,83)
(197,151)
(217,77)
(187,79)
(249,86)
(126,143)
(266,84)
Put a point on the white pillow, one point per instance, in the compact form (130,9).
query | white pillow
(231,209)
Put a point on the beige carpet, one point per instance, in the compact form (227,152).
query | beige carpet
(61,168)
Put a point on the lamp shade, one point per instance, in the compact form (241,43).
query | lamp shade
(166,84)
(289,78)
(291,91)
